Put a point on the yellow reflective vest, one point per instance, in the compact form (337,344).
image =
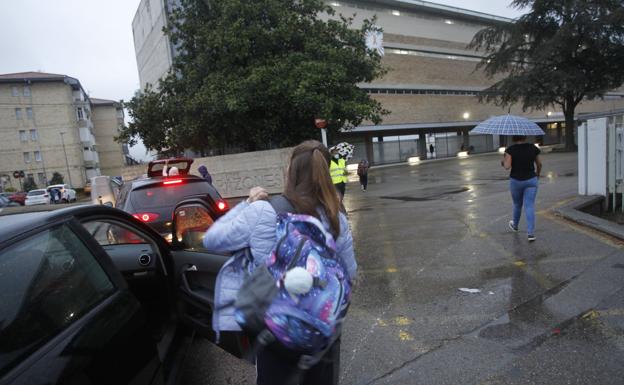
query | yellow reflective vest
(337,170)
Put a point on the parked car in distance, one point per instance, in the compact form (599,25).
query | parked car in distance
(153,198)
(37,197)
(84,307)
(67,193)
(5,202)
(18,197)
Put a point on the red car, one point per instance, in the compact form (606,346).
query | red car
(18,197)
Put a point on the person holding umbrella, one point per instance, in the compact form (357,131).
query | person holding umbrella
(337,171)
(523,160)
(340,153)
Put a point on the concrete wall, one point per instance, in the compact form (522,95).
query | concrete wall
(233,175)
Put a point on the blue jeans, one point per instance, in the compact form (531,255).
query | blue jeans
(523,193)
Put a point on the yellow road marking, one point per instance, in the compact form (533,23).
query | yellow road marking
(402,321)
(405,336)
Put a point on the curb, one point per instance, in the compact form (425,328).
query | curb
(572,211)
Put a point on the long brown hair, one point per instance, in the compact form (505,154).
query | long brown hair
(308,184)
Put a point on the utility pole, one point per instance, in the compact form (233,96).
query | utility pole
(66,162)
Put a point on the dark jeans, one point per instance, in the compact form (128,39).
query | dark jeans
(276,369)
(364,180)
(341,187)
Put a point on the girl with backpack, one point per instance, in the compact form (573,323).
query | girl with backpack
(253,223)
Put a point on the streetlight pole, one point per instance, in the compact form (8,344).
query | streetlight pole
(322,124)
(66,162)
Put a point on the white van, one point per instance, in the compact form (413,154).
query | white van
(105,190)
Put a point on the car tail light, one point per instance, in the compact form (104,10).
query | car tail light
(221,205)
(45,195)
(146,217)
(172,181)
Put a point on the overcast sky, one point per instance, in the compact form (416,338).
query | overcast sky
(92,40)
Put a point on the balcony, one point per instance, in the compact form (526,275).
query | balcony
(91,159)
(78,96)
(86,137)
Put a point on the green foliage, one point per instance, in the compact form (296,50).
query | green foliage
(29,184)
(559,53)
(10,189)
(57,178)
(255,74)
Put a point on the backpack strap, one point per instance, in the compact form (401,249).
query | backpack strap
(282,205)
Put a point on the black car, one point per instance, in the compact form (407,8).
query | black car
(82,306)
(153,198)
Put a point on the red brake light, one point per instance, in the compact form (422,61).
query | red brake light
(146,217)
(221,205)
(172,181)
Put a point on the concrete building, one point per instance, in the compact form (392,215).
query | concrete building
(108,118)
(431,88)
(154,51)
(47,126)
(432,84)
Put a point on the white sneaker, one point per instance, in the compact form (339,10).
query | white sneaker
(512,227)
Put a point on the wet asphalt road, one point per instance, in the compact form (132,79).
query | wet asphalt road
(549,312)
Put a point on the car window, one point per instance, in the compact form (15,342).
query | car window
(166,196)
(191,223)
(36,192)
(46,283)
(109,233)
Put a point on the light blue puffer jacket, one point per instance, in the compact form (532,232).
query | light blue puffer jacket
(254,226)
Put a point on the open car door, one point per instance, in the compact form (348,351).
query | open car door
(196,271)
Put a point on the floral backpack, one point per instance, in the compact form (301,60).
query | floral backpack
(301,296)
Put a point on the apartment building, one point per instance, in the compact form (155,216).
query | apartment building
(154,51)
(47,126)
(108,117)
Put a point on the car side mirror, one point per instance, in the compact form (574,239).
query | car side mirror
(190,223)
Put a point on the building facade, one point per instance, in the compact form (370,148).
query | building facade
(154,51)
(432,85)
(108,119)
(47,126)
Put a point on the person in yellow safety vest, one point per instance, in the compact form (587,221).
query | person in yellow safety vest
(338,172)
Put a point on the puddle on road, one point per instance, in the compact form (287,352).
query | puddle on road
(428,197)
(528,318)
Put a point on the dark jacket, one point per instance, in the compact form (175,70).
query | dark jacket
(204,173)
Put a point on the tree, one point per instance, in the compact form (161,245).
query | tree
(57,178)
(255,74)
(29,184)
(559,53)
